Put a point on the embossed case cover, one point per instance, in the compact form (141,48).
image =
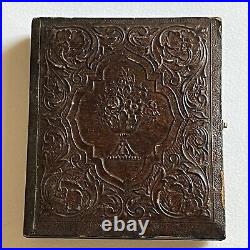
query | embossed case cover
(125,120)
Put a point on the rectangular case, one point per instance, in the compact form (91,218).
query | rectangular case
(125,124)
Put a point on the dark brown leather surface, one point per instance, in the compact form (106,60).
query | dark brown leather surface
(125,120)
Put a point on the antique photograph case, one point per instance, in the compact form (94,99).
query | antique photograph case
(125,129)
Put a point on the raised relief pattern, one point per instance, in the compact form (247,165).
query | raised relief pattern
(125,122)
(122,107)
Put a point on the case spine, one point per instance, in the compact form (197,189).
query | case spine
(31,171)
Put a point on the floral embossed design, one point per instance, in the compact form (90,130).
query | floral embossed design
(71,192)
(196,143)
(123,106)
(181,54)
(72,45)
(180,190)
(124,103)
(180,45)
(131,111)
(177,195)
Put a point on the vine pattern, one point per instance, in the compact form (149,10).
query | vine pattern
(178,184)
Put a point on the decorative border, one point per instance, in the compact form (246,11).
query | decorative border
(217,124)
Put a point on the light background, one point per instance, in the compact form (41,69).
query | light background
(16,51)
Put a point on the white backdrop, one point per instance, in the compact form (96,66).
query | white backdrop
(16,34)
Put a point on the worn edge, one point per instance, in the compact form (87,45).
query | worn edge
(217,128)
(30,188)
